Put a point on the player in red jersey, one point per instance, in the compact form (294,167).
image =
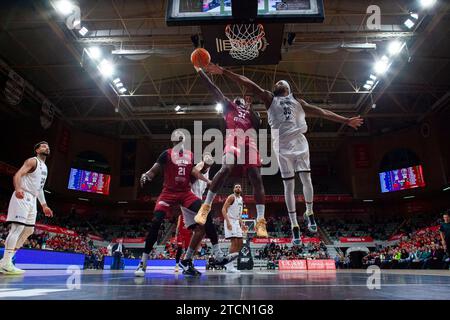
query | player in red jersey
(177,164)
(240,150)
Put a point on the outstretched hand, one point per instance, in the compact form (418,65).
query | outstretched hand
(213,69)
(355,122)
(144,179)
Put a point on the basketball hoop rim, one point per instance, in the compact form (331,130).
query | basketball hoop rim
(249,42)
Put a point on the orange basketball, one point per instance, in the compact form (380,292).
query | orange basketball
(200,58)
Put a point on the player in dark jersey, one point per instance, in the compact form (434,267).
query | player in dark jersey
(240,144)
(177,164)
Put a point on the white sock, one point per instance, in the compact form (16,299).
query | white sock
(7,256)
(210,197)
(216,250)
(144,259)
(260,211)
(293,217)
(309,207)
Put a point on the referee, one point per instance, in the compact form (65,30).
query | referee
(445,233)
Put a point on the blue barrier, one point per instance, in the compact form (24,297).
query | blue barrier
(131,264)
(30,259)
(43,259)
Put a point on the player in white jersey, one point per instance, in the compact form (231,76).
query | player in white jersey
(198,187)
(232,215)
(287,121)
(29,184)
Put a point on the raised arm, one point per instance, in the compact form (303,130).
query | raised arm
(312,110)
(264,95)
(216,92)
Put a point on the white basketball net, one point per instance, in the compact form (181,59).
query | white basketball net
(245,40)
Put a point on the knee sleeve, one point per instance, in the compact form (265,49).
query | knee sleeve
(27,231)
(13,236)
(308,191)
(211,231)
(152,235)
(289,196)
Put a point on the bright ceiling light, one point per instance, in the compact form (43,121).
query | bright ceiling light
(427,3)
(395,47)
(64,7)
(415,16)
(95,53)
(373,77)
(409,24)
(219,107)
(106,68)
(367,86)
(116,81)
(119,85)
(370,82)
(381,66)
(177,108)
(83,31)
(122,90)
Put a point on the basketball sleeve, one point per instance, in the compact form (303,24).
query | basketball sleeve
(41,197)
(162,159)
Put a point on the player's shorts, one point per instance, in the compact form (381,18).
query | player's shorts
(22,211)
(184,238)
(251,157)
(167,199)
(236,230)
(188,217)
(292,155)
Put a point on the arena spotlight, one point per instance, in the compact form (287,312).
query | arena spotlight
(367,86)
(122,90)
(219,107)
(177,108)
(373,77)
(382,65)
(395,47)
(83,31)
(415,16)
(427,3)
(409,23)
(64,7)
(106,68)
(95,53)
(119,85)
(370,82)
(116,81)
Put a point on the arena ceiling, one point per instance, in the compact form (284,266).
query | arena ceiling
(36,43)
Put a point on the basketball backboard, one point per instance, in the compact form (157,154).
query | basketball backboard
(198,12)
